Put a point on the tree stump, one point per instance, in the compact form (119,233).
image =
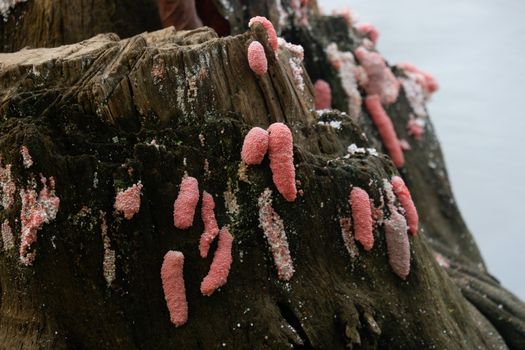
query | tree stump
(106,113)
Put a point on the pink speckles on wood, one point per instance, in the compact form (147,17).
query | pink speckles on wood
(381,80)
(211,228)
(323,95)
(220,266)
(386,130)
(257,58)
(37,210)
(362,217)
(255,146)
(273,228)
(398,245)
(7,187)
(173,286)
(128,201)
(280,149)
(404,197)
(270,30)
(186,202)
(26,157)
(108,263)
(7,236)
(348,237)
(369,30)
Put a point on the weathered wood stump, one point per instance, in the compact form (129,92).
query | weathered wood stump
(106,113)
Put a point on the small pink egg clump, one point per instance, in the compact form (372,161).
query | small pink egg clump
(128,201)
(186,202)
(362,217)
(386,129)
(255,146)
(270,30)
(171,273)
(26,157)
(257,58)
(398,245)
(220,266)
(416,128)
(369,30)
(211,229)
(36,211)
(404,197)
(425,79)
(381,80)
(323,95)
(280,149)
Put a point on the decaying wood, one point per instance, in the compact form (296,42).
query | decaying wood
(102,114)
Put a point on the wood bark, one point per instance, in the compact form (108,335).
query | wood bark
(104,113)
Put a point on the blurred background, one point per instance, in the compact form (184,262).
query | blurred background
(476,49)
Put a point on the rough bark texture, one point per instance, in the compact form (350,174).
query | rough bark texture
(88,113)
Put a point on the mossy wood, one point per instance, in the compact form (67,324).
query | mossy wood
(106,112)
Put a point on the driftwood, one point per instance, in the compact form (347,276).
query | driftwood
(105,113)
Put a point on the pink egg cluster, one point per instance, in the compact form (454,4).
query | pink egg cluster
(323,95)
(279,142)
(255,146)
(369,30)
(173,285)
(211,229)
(270,30)
(362,217)
(425,79)
(398,246)
(386,129)
(128,201)
(186,202)
(220,266)
(405,199)
(381,81)
(280,149)
(257,58)
(364,213)
(171,271)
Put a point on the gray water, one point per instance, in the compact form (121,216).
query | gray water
(475,48)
